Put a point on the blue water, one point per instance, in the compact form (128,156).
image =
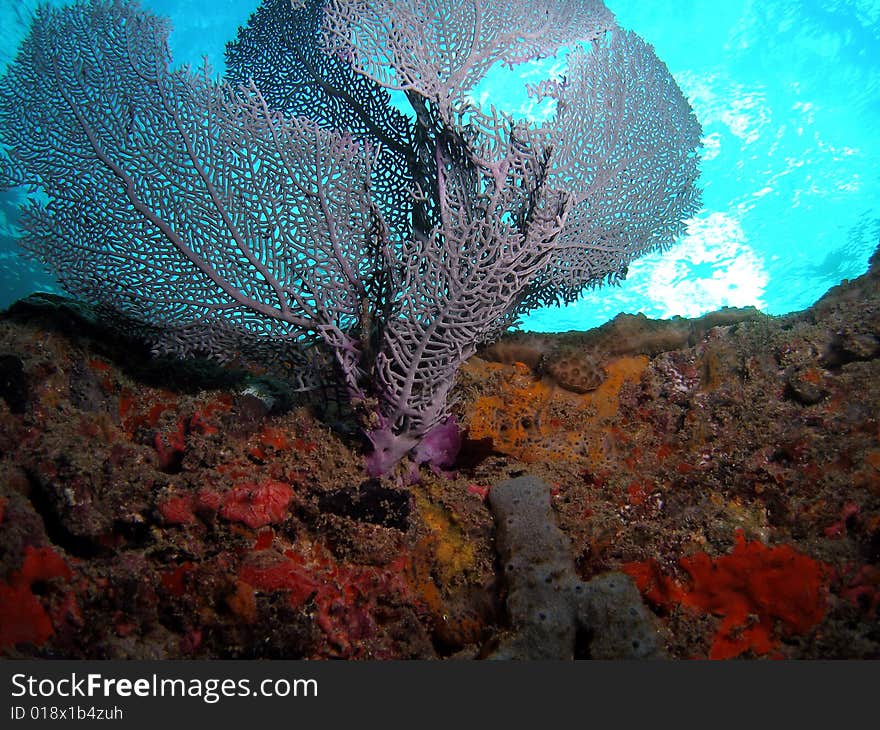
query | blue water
(788,93)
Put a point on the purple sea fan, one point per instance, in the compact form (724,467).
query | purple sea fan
(298,207)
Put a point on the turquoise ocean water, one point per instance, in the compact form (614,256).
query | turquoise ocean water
(788,93)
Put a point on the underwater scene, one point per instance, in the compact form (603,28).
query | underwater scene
(409,329)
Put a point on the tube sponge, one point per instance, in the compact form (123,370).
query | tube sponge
(548,606)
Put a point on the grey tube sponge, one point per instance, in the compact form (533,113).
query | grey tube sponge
(548,606)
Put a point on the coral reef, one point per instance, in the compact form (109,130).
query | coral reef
(730,466)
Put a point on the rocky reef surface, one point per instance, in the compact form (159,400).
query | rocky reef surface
(727,467)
